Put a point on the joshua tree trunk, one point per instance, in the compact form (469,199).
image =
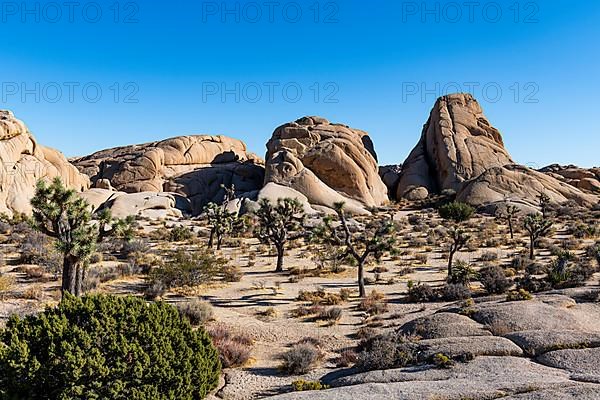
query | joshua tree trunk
(510,227)
(219,241)
(69,275)
(531,248)
(279,258)
(211,238)
(361,279)
(450,259)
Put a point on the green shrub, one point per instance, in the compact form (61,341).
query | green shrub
(197,311)
(180,234)
(494,279)
(104,347)
(519,295)
(188,269)
(456,211)
(385,352)
(301,385)
(301,359)
(462,273)
(421,292)
(440,360)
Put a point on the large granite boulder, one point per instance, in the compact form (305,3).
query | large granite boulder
(457,144)
(152,205)
(461,152)
(190,166)
(24,162)
(584,179)
(327,163)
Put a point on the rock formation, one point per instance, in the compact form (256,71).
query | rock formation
(460,151)
(24,162)
(327,163)
(194,167)
(458,143)
(585,179)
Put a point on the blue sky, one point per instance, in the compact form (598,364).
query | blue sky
(161,69)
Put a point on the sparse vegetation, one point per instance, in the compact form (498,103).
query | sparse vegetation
(301,359)
(537,226)
(456,211)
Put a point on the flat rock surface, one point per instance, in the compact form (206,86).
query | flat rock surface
(582,362)
(483,378)
(475,345)
(443,325)
(539,342)
(579,392)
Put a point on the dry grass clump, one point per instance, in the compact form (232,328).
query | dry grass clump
(374,304)
(321,297)
(234,349)
(197,311)
(301,359)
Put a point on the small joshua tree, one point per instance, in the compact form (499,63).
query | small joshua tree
(544,202)
(221,221)
(374,239)
(537,226)
(279,223)
(509,214)
(459,240)
(59,213)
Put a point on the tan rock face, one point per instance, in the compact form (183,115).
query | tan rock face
(458,143)
(191,166)
(587,180)
(24,162)
(327,163)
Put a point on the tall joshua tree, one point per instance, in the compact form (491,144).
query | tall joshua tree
(509,214)
(279,223)
(544,202)
(459,240)
(220,219)
(61,214)
(374,239)
(537,226)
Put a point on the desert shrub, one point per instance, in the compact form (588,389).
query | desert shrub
(106,347)
(455,291)
(232,273)
(188,269)
(346,359)
(386,352)
(37,248)
(7,283)
(415,219)
(302,386)
(441,360)
(489,256)
(421,292)
(34,292)
(594,252)
(519,295)
(180,233)
(422,258)
(198,312)
(494,279)
(456,211)
(133,247)
(374,304)
(322,297)
(331,314)
(234,349)
(535,268)
(300,359)
(532,284)
(462,273)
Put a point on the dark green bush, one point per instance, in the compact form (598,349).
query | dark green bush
(104,347)
(494,279)
(188,269)
(456,211)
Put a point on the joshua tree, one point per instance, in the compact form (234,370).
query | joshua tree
(374,239)
(279,223)
(61,214)
(459,240)
(509,214)
(220,219)
(544,201)
(537,226)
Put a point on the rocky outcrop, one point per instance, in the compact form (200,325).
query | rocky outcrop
(327,163)
(390,175)
(150,205)
(24,162)
(191,166)
(461,152)
(457,144)
(584,179)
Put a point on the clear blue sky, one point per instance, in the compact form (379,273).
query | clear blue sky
(370,62)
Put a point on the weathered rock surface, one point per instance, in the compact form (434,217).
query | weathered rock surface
(443,325)
(390,175)
(151,205)
(483,378)
(191,166)
(327,163)
(539,342)
(24,162)
(579,392)
(458,143)
(460,151)
(455,347)
(585,179)
(517,183)
(584,363)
